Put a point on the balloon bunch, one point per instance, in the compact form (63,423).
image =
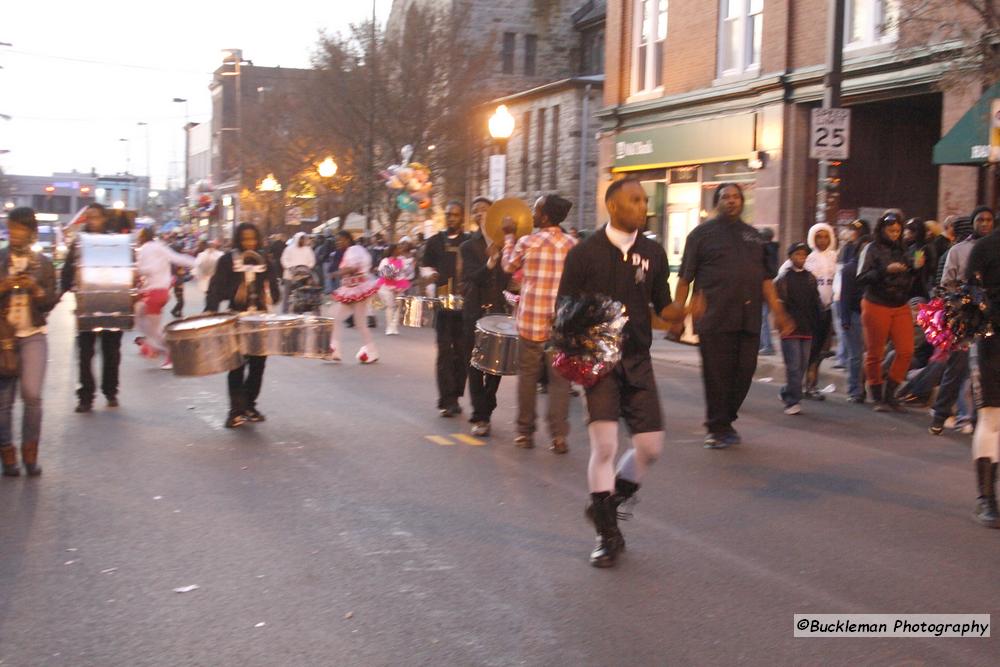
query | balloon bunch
(587,337)
(955,317)
(412,184)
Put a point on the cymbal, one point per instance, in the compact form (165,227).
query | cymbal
(512,208)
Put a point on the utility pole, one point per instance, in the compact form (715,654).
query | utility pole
(827,180)
(370,175)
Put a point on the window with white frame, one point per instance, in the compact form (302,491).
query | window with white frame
(740,36)
(650,31)
(871,22)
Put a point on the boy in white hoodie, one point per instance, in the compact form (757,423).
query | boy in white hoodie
(822,263)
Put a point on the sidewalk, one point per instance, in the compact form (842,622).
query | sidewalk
(773,367)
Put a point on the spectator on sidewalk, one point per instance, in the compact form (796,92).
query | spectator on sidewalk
(849,310)
(887,273)
(771,257)
(798,291)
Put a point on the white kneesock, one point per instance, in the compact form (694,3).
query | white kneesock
(646,448)
(986,440)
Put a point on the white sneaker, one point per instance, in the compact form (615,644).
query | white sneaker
(793,409)
(333,356)
(366,356)
(949,422)
(167,365)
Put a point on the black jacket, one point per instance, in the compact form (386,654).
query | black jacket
(483,286)
(850,291)
(881,287)
(596,266)
(800,294)
(40,268)
(441,254)
(225,285)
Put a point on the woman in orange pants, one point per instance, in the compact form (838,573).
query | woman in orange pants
(886,271)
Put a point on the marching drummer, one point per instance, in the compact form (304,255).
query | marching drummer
(111,340)
(541,256)
(154,262)
(484,281)
(248,280)
(443,258)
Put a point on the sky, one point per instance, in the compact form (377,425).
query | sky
(80,77)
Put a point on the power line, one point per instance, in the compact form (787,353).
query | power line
(108,63)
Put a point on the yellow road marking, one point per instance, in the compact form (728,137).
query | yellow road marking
(439,440)
(468,439)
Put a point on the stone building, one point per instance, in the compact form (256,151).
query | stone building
(699,92)
(548,69)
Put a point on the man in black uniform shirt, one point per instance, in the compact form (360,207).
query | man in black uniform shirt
(619,262)
(442,254)
(725,259)
(484,280)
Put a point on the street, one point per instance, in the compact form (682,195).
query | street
(356,527)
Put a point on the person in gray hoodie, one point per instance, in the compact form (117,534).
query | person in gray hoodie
(955,264)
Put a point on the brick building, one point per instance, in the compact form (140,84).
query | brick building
(703,91)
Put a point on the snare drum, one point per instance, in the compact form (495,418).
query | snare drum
(316,337)
(264,334)
(417,311)
(496,345)
(105,281)
(204,344)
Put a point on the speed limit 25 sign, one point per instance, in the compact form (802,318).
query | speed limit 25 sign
(830,134)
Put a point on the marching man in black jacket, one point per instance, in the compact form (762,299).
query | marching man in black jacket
(619,262)
(248,279)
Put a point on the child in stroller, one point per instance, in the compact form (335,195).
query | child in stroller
(305,292)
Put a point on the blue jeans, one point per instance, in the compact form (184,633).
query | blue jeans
(855,341)
(32,352)
(765,330)
(956,372)
(838,328)
(796,354)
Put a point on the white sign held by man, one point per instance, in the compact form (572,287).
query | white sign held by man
(830,134)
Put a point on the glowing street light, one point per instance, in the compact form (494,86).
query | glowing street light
(501,126)
(327,168)
(269,184)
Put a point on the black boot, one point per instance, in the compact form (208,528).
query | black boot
(986,504)
(891,388)
(624,491)
(876,391)
(609,539)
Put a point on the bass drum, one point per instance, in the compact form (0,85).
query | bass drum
(264,334)
(417,311)
(496,345)
(203,345)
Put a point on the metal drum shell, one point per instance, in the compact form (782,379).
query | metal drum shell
(316,338)
(496,345)
(451,302)
(263,334)
(105,279)
(203,344)
(417,311)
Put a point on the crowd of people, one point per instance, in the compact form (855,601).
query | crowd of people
(855,303)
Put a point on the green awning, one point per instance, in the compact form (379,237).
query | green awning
(969,141)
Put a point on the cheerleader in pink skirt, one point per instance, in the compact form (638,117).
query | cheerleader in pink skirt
(357,286)
(395,272)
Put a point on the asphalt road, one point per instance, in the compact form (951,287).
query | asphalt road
(339,533)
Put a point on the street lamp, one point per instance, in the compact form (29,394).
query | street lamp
(501,128)
(269,184)
(327,168)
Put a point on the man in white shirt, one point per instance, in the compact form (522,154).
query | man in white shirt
(154,264)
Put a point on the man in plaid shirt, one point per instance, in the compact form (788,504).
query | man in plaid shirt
(540,256)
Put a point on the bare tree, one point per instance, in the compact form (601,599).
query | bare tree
(967,32)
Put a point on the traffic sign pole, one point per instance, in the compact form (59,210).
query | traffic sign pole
(828,181)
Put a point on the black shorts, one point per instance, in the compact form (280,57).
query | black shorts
(628,392)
